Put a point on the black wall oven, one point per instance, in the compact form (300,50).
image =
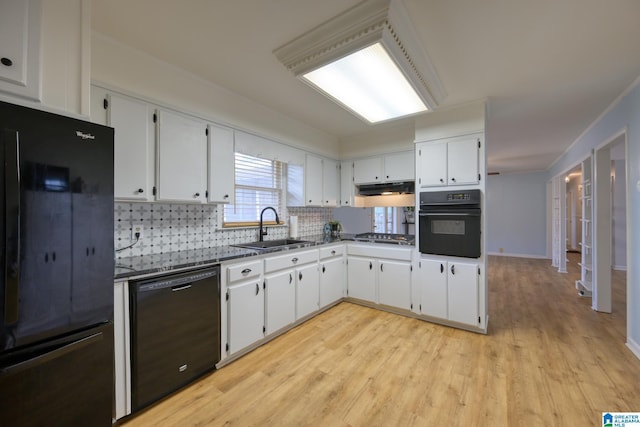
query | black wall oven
(450,223)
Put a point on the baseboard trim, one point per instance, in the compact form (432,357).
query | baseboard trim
(634,347)
(518,255)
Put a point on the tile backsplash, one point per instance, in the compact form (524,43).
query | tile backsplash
(180,227)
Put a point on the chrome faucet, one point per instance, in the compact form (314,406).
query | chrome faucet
(264,232)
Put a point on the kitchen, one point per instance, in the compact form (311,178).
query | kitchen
(145,78)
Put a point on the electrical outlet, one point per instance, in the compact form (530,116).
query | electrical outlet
(136,228)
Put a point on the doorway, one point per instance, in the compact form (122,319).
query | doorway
(610,216)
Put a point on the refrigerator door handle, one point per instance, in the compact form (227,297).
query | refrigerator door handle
(12,224)
(51,355)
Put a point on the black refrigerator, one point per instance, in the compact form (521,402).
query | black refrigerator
(56,289)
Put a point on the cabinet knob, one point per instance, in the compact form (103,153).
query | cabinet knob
(226,196)
(453,180)
(441,180)
(7,62)
(294,260)
(309,200)
(140,190)
(196,195)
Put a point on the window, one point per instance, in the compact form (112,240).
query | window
(384,220)
(258,184)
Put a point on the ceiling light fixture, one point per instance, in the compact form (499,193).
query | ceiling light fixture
(368,60)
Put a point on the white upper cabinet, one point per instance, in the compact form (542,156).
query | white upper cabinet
(315,184)
(390,167)
(182,158)
(331,183)
(367,171)
(448,162)
(313,181)
(133,147)
(221,170)
(399,166)
(347,188)
(20,27)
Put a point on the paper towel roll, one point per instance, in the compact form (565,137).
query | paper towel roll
(293,226)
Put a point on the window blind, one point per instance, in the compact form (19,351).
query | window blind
(258,184)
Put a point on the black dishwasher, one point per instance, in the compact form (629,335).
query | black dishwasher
(175,332)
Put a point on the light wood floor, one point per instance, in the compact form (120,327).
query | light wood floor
(548,360)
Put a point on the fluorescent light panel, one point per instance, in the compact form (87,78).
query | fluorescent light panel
(369,83)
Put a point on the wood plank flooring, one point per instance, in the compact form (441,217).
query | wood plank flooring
(548,359)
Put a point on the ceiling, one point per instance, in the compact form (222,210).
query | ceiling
(548,68)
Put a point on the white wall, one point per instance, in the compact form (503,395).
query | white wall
(123,68)
(381,140)
(624,114)
(516,211)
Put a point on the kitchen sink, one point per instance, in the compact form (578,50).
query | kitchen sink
(267,244)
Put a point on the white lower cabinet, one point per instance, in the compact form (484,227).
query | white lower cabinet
(380,274)
(294,277)
(245,304)
(280,300)
(449,290)
(246,315)
(394,283)
(332,274)
(361,278)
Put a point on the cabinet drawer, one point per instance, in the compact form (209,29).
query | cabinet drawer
(243,271)
(331,251)
(290,260)
(381,250)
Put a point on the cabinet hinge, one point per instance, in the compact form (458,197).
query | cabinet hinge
(264,284)
(478,271)
(411,268)
(206,131)
(479,320)
(412,306)
(226,347)
(479,144)
(105,103)
(479,177)
(227,295)
(264,329)
(154,190)
(206,194)
(420,306)
(155,118)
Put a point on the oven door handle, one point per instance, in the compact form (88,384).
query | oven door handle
(448,214)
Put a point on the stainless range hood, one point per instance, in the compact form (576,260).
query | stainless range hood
(387,188)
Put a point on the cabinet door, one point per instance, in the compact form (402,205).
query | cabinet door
(347,189)
(462,161)
(221,165)
(133,147)
(433,282)
(330,187)
(431,164)
(361,278)
(399,167)
(246,315)
(331,281)
(313,181)
(280,300)
(308,290)
(182,158)
(20,27)
(462,281)
(366,171)
(394,283)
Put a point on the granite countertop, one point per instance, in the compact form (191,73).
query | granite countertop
(145,265)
